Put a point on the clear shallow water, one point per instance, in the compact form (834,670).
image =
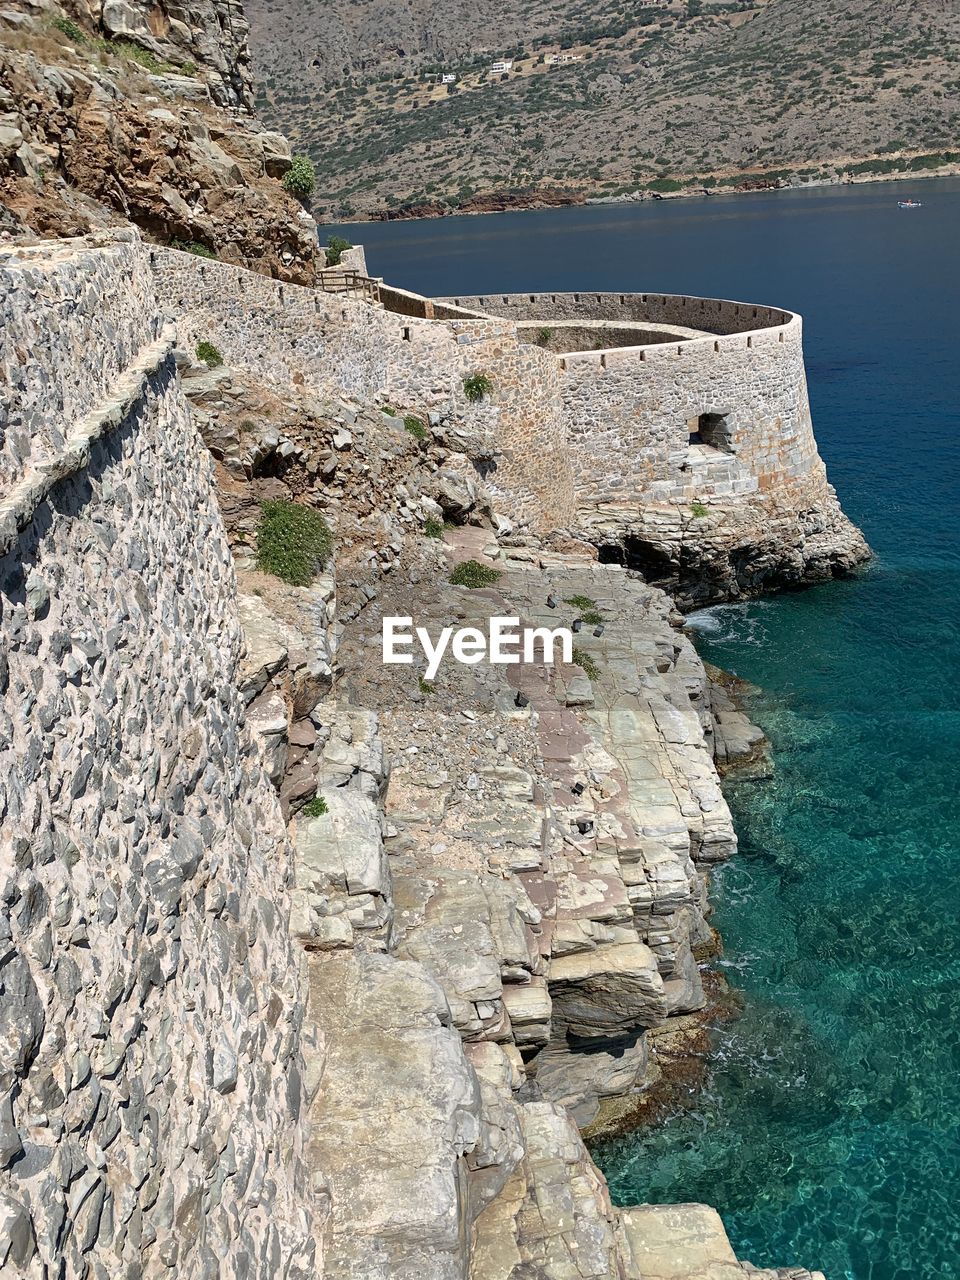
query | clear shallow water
(830,1132)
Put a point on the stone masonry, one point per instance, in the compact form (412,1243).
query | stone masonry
(150,1007)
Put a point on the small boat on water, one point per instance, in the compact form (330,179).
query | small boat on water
(909,204)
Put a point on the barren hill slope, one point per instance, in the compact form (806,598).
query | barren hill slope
(647,96)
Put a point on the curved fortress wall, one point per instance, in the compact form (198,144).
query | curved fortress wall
(631,410)
(149,1002)
(694,459)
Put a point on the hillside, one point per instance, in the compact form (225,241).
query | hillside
(651,97)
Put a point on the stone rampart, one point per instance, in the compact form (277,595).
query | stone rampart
(700,447)
(641,403)
(713,315)
(50,376)
(333,344)
(694,459)
(149,991)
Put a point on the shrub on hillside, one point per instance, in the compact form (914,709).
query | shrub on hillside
(473,574)
(293,542)
(301,178)
(192,246)
(586,664)
(70,29)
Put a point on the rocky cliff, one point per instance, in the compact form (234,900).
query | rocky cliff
(140,113)
(364,1046)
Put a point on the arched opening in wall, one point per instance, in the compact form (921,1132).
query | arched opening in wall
(712,430)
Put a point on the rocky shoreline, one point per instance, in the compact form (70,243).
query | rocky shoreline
(524,840)
(523,201)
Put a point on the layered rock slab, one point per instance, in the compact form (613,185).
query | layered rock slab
(395,1114)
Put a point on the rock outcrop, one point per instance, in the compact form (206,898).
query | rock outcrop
(127,112)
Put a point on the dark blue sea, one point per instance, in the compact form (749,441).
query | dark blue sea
(829,1133)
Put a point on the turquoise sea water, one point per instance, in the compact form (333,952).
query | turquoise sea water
(829,1133)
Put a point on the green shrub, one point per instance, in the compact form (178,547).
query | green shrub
(70,30)
(476,387)
(665,184)
(192,246)
(473,574)
(389,410)
(293,542)
(336,248)
(209,354)
(142,57)
(415,427)
(586,664)
(316,807)
(698,510)
(301,178)
(592,617)
(544,335)
(426,686)
(432,527)
(188,69)
(581,602)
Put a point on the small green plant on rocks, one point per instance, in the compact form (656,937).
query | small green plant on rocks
(389,410)
(70,29)
(473,574)
(698,510)
(142,57)
(432,527)
(293,542)
(415,427)
(586,664)
(426,686)
(477,387)
(209,354)
(192,247)
(316,807)
(581,602)
(592,616)
(336,248)
(301,178)
(544,335)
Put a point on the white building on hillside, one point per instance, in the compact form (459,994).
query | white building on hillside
(499,67)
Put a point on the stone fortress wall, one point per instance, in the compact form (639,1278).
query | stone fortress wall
(150,1008)
(413,355)
(640,403)
(681,444)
